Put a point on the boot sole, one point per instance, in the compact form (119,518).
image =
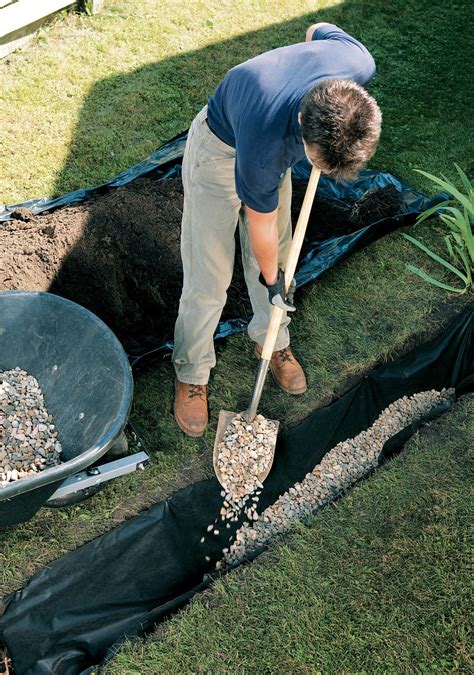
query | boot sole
(191,434)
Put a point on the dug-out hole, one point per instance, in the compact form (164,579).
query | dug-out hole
(118,253)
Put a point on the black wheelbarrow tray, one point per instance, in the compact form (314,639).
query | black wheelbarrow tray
(87,385)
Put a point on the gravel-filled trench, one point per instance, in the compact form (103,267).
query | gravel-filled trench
(340,468)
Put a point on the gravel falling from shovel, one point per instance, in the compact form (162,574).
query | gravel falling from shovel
(340,468)
(28,438)
(242,456)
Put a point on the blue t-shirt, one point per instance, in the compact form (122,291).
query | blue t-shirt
(255,107)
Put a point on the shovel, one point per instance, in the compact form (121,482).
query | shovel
(225,416)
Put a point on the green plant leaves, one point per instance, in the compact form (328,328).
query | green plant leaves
(457,214)
(436,257)
(432,280)
(465,180)
(451,189)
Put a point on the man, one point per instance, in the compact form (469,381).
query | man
(265,115)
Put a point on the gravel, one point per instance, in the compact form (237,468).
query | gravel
(28,438)
(243,456)
(340,468)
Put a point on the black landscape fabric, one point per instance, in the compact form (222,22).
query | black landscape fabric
(73,613)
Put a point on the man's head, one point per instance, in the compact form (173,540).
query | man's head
(340,124)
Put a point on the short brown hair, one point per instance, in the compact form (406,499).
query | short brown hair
(341,122)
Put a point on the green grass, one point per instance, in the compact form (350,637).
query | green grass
(94,95)
(97,94)
(379,582)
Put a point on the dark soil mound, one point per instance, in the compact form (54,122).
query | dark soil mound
(327,219)
(118,254)
(374,205)
(334,219)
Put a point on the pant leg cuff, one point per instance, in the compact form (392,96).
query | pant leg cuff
(192,380)
(282,344)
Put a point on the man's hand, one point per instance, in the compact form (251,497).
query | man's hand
(276,292)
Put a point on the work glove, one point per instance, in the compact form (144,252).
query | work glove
(276,292)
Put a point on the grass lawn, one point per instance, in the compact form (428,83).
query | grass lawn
(378,582)
(94,95)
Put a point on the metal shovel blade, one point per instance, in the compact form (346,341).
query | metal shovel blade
(225,418)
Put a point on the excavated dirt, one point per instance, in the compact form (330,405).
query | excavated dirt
(334,219)
(374,205)
(118,254)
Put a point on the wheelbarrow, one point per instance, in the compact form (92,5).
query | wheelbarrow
(87,385)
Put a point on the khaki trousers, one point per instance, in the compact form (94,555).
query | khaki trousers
(211,212)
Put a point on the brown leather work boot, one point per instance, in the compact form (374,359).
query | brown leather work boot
(286,371)
(190,408)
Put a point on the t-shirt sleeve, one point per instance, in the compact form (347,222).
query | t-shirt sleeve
(256,186)
(361,59)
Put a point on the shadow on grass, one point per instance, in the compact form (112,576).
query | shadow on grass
(422,63)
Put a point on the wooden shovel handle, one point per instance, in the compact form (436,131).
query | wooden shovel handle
(292,260)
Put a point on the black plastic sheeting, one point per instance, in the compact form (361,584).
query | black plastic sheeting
(74,612)
(165,162)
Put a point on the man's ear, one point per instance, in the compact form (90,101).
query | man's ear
(299,118)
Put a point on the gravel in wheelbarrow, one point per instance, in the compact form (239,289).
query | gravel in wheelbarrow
(29,440)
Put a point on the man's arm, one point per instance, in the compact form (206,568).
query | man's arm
(263,230)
